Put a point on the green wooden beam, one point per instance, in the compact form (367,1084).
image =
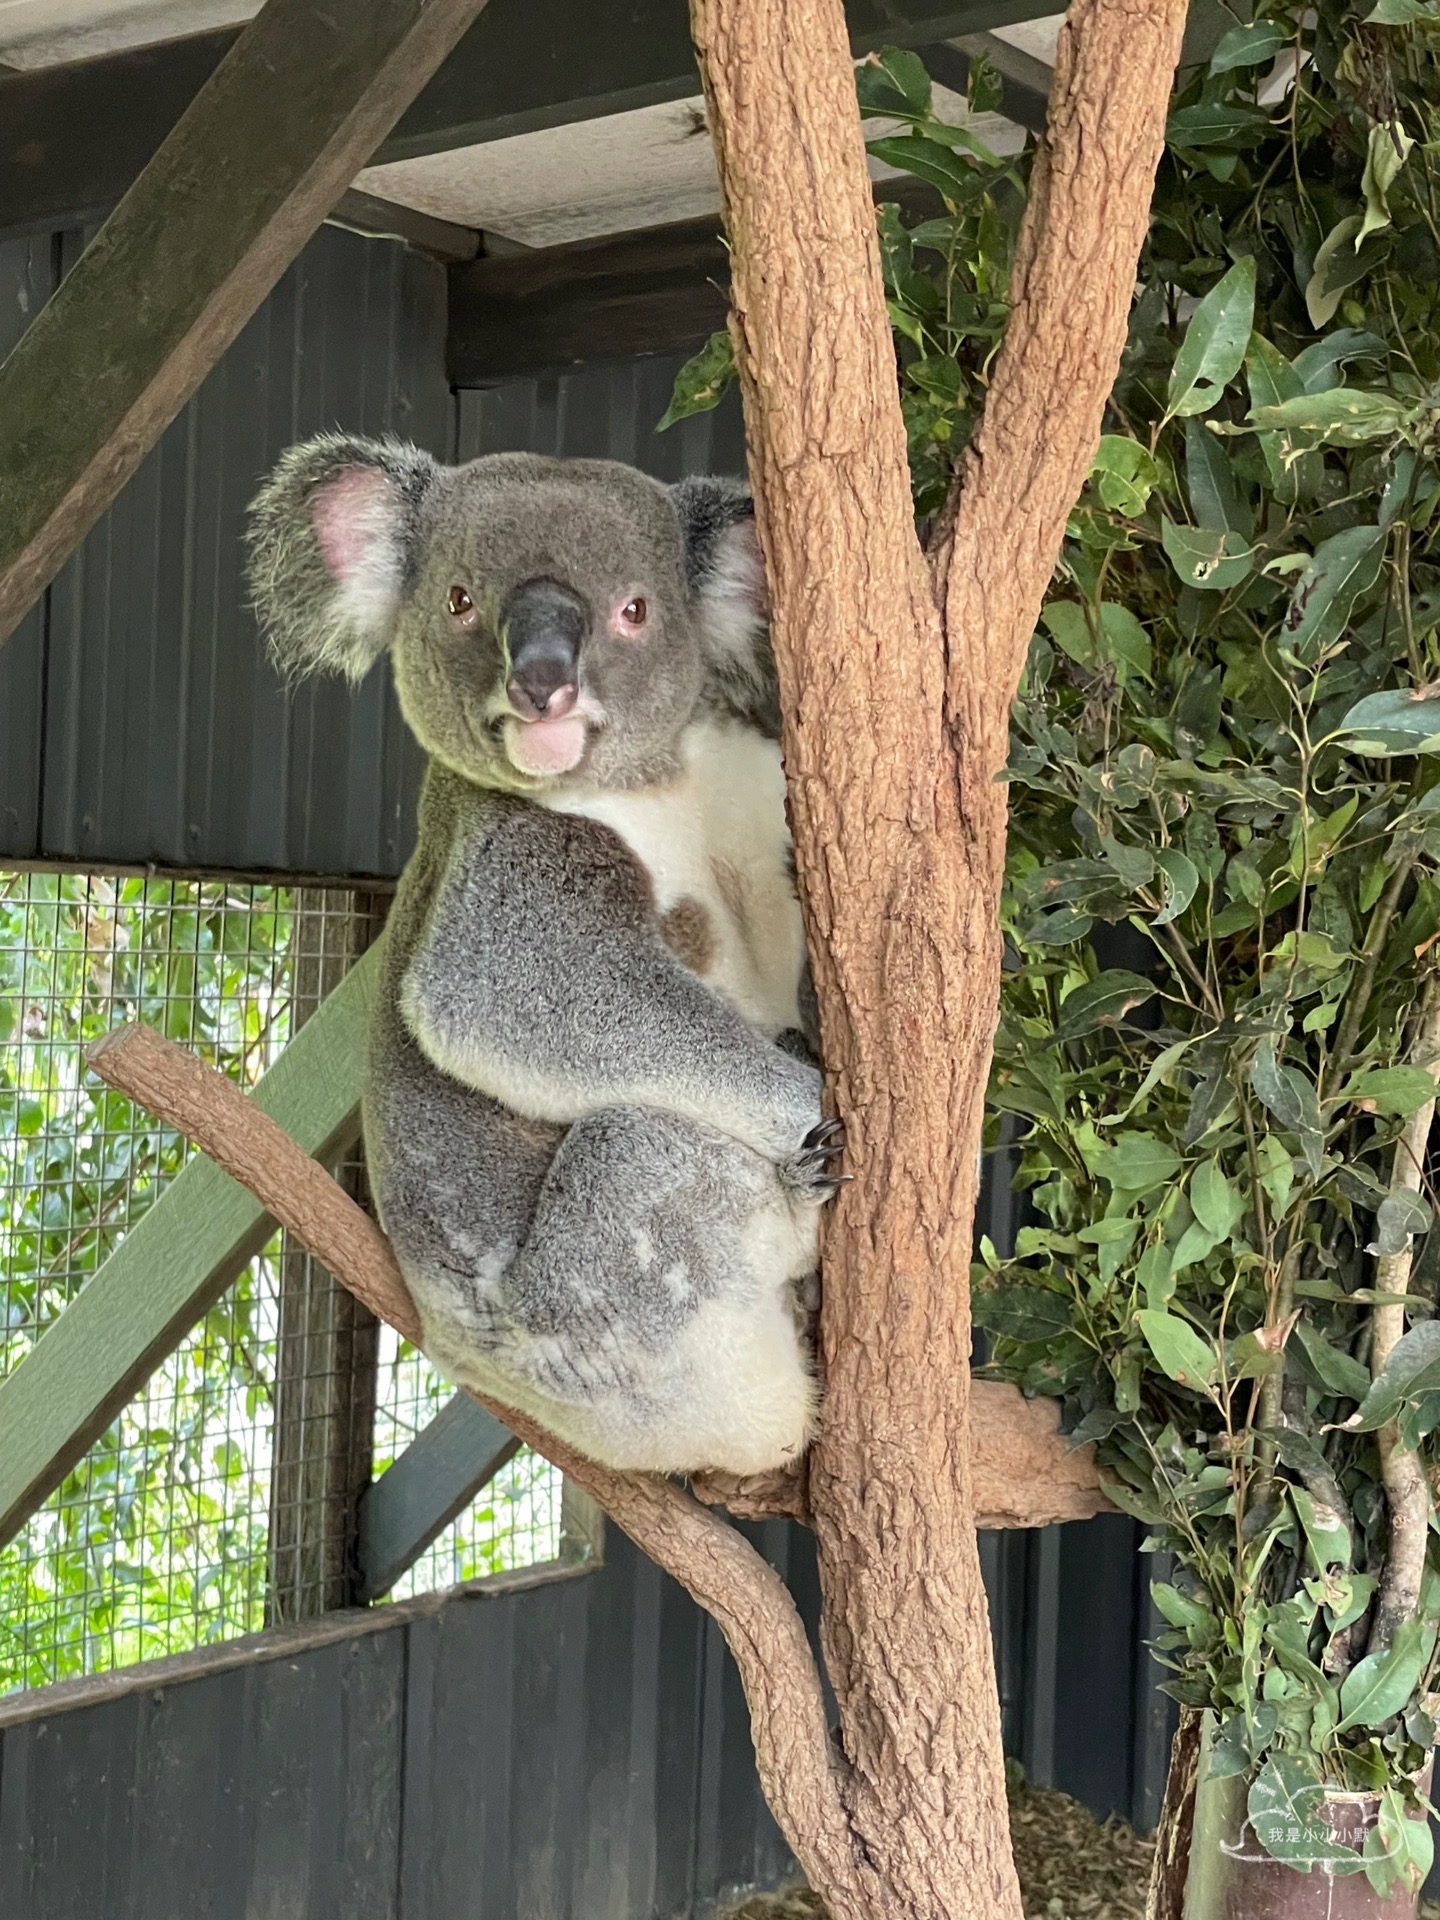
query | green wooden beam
(173,1264)
(253,166)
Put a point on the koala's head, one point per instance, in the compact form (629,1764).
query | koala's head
(548,620)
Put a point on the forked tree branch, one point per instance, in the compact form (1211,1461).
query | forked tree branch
(800,1771)
(896,681)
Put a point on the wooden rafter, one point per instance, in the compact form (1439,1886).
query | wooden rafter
(267,147)
(77,135)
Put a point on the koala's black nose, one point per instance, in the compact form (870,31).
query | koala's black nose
(544,624)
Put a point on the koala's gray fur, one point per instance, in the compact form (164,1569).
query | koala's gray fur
(600,1162)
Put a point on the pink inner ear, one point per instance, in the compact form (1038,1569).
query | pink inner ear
(349,515)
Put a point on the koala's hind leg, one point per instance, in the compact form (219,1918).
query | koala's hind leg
(653,1301)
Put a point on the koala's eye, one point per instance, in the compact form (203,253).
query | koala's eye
(634,613)
(460,603)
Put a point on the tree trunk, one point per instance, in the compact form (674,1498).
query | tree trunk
(1171,1866)
(896,725)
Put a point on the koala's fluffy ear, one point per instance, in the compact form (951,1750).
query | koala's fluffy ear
(334,543)
(726,576)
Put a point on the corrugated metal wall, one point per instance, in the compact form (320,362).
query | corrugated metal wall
(573,1751)
(139,722)
(578,1750)
(140,719)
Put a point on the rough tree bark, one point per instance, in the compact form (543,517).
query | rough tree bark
(897,672)
(896,681)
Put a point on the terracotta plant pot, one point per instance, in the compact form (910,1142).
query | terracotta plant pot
(1232,1877)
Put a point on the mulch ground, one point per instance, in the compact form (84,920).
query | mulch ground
(1071,1866)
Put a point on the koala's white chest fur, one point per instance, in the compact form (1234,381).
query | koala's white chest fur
(717,836)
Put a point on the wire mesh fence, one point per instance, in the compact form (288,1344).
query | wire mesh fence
(515,1522)
(224,1495)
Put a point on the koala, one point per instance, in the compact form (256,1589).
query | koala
(592,1117)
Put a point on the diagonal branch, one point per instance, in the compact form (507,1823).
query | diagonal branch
(1084,225)
(803,1777)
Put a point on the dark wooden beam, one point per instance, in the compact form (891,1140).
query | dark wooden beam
(259,158)
(431,1484)
(72,138)
(591,301)
(1024,81)
(384,220)
(662,290)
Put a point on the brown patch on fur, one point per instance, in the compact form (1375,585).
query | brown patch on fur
(733,887)
(689,932)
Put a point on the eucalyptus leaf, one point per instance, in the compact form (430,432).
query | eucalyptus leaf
(1229,1754)
(1325,1530)
(1103,1002)
(1387,150)
(1210,481)
(1125,473)
(1400,1848)
(1342,568)
(1192,1617)
(1412,1370)
(1319,365)
(1400,1215)
(1217,123)
(1399,1089)
(1022,1313)
(1182,878)
(1205,557)
(1337,1371)
(916,153)
(1250,45)
(893,81)
(1182,1354)
(703,381)
(1343,416)
(1377,1687)
(1341,262)
(1213,349)
(1398,720)
(1216,1204)
(1290,1096)
(1138,1161)
(1287,1816)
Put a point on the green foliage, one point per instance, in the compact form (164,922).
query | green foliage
(1243,816)
(1223,898)
(157,1539)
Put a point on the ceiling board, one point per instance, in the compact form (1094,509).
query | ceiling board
(647,168)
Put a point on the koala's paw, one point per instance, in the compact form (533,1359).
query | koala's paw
(808,1174)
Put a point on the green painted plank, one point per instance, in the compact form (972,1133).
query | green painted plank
(173,1265)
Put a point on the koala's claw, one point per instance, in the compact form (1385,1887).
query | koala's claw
(808,1173)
